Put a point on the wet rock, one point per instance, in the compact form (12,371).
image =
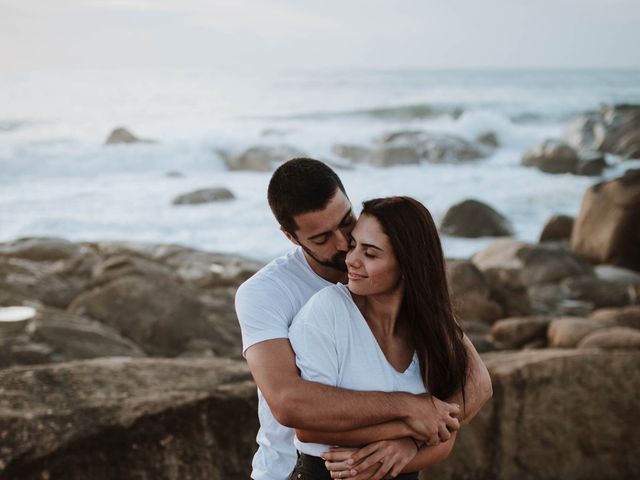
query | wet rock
(566,332)
(393,155)
(543,264)
(512,333)
(591,165)
(472,219)
(551,156)
(557,228)
(554,414)
(617,274)
(612,338)
(601,293)
(437,147)
(122,135)
(262,158)
(123,418)
(355,153)
(204,195)
(607,230)
(490,139)
(175,174)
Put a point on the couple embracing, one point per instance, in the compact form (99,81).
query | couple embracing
(362,370)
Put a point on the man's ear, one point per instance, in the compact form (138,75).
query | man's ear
(290,237)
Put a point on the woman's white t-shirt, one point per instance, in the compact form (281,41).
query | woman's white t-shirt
(335,346)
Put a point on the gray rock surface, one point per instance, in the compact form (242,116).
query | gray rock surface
(204,195)
(128,419)
(472,219)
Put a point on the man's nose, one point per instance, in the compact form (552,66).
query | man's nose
(342,242)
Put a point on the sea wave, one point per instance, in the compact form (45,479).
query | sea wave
(415,111)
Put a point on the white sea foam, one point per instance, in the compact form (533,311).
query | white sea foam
(57,178)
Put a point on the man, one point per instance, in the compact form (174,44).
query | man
(314,213)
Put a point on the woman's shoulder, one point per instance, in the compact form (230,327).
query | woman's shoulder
(327,302)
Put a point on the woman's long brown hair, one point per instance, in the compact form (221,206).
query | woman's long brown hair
(426,313)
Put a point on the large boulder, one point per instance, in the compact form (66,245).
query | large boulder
(612,338)
(128,419)
(41,249)
(204,195)
(554,414)
(472,219)
(628,316)
(566,332)
(393,155)
(607,230)
(552,156)
(262,158)
(355,153)
(557,228)
(470,292)
(512,333)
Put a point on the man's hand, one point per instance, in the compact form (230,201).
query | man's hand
(384,459)
(432,420)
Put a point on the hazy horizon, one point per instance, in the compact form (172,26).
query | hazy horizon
(284,35)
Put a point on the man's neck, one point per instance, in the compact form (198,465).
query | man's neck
(331,275)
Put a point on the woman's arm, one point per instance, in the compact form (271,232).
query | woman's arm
(358,437)
(428,456)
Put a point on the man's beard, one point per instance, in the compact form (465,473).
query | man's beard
(337,262)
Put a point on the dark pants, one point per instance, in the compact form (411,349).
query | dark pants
(309,467)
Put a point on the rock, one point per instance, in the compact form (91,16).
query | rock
(489,139)
(262,158)
(41,249)
(481,342)
(566,332)
(74,337)
(393,155)
(470,293)
(554,414)
(355,153)
(437,147)
(126,418)
(512,333)
(175,174)
(601,293)
(612,338)
(472,219)
(622,317)
(592,165)
(617,274)
(20,349)
(161,324)
(122,135)
(544,264)
(551,156)
(607,230)
(614,129)
(557,228)
(204,195)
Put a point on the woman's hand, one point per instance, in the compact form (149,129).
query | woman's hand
(383,459)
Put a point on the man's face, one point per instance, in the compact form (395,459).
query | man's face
(324,235)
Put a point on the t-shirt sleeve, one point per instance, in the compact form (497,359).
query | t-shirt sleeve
(312,336)
(264,311)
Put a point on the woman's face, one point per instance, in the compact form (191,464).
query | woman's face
(371,262)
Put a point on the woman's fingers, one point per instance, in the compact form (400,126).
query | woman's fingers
(364,452)
(444,434)
(339,454)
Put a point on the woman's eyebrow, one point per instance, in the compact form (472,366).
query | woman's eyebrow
(368,245)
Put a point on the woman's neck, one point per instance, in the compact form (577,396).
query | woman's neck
(381,311)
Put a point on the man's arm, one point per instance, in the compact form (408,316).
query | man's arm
(359,437)
(313,406)
(477,385)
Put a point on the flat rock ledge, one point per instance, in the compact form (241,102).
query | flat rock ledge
(555,413)
(188,418)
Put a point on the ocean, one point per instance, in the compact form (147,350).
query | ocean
(57,178)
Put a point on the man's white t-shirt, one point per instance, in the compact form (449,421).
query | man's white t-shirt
(335,346)
(266,304)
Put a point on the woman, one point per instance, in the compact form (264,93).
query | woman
(391,329)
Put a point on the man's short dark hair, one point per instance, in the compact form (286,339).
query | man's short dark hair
(299,186)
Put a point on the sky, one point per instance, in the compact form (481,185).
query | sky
(274,34)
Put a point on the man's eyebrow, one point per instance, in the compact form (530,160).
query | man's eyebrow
(328,232)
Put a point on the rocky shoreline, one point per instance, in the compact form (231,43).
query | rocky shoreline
(130,366)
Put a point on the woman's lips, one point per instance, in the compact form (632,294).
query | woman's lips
(355,276)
